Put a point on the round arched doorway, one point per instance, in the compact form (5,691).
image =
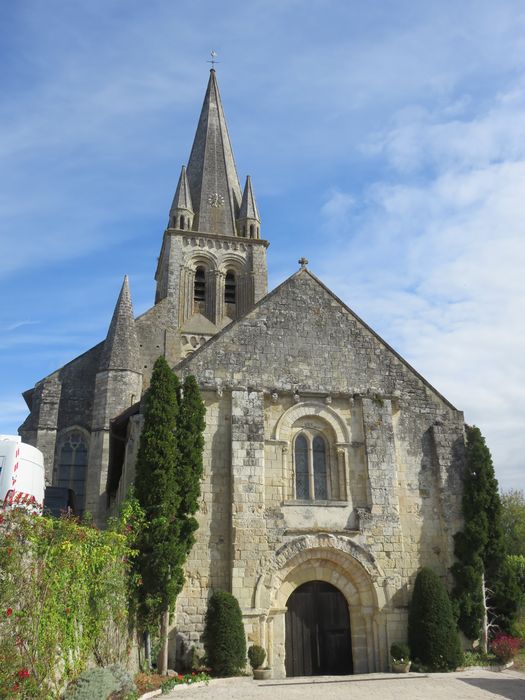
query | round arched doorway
(317,631)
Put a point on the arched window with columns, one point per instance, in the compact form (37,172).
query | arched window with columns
(318,473)
(313,480)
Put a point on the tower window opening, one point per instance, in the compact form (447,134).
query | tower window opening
(199,288)
(252,228)
(182,223)
(230,288)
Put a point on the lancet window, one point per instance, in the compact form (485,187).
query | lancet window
(316,470)
(72,466)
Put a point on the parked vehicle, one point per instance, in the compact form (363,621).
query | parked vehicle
(22,476)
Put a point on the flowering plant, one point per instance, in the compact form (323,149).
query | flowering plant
(505,647)
(63,598)
(186,679)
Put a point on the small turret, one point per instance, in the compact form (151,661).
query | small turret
(121,349)
(181,212)
(118,385)
(248,222)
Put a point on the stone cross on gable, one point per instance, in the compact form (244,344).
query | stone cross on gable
(303,262)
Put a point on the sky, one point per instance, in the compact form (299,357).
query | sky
(385,140)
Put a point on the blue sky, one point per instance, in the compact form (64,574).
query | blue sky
(385,140)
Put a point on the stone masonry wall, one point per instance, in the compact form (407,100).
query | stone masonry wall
(397,442)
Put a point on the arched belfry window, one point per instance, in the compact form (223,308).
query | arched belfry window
(230,288)
(199,289)
(72,466)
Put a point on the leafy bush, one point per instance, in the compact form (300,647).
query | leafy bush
(518,628)
(256,655)
(196,660)
(432,632)
(224,639)
(102,683)
(399,651)
(505,647)
(64,591)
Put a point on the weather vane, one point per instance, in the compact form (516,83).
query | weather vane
(213,55)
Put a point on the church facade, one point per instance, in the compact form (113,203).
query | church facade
(332,468)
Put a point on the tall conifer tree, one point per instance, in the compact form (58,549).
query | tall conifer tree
(190,442)
(167,485)
(481,569)
(158,493)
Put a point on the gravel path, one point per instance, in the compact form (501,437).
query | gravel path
(469,685)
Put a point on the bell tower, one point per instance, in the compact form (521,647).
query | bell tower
(212,265)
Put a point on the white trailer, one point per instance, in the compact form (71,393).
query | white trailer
(22,476)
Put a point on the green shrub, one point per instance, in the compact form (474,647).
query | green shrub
(399,651)
(256,655)
(102,683)
(432,632)
(224,639)
(64,590)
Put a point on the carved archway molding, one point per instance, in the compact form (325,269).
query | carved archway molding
(311,407)
(331,558)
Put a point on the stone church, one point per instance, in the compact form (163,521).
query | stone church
(332,468)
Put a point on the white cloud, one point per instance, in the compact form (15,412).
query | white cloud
(438,267)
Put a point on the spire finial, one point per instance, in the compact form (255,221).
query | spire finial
(303,262)
(213,55)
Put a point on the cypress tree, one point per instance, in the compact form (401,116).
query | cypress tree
(432,633)
(167,486)
(190,441)
(480,547)
(157,491)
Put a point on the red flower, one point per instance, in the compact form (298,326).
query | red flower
(15,687)
(9,612)
(9,551)
(180,676)
(23,673)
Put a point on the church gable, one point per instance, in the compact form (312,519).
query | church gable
(301,337)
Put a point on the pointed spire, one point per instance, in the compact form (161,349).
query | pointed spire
(181,212)
(121,348)
(248,223)
(248,208)
(212,176)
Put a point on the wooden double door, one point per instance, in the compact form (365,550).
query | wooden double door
(317,631)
